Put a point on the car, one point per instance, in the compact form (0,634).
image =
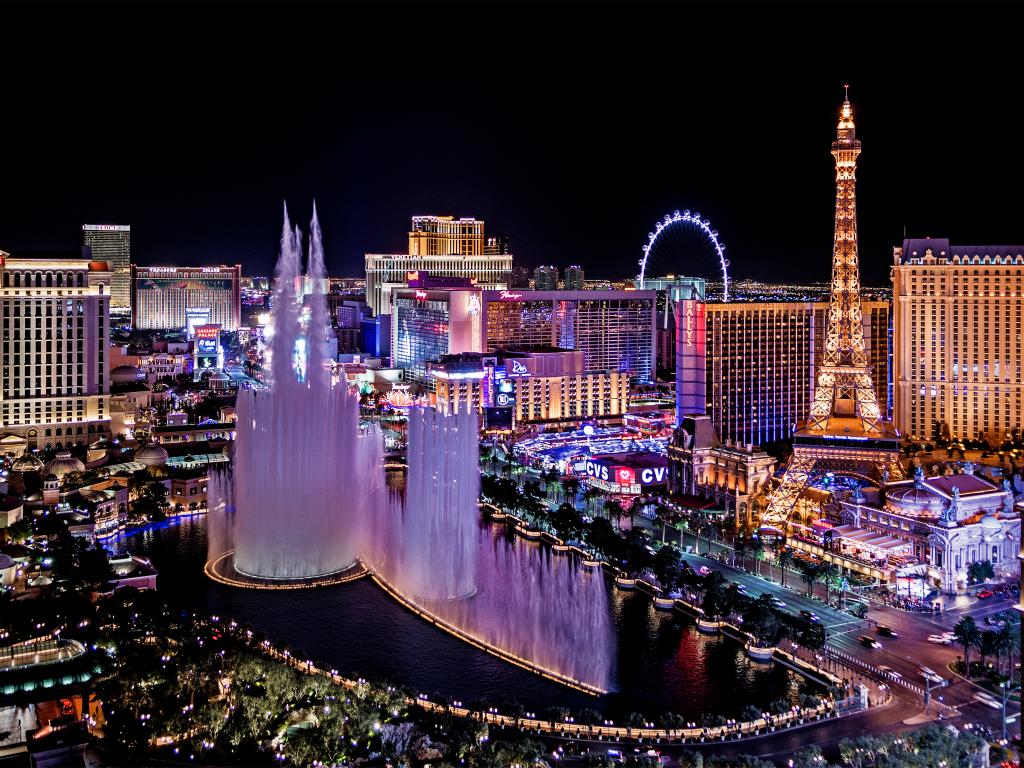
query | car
(994,621)
(870,642)
(778,603)
(985,594)
(938,639)
(809,615)
(889,671)
(885,631)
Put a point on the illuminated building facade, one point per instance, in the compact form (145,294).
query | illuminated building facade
(56,329)
(540,386)
(176,298)
(957,340)
(446,236)
(734,476)
(545,278)
(441,246)
(761,363)
(429,323)
(574,278)
(112,243)
(613,329)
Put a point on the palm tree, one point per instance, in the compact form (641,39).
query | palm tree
(758,550)
(827,574)
(969,636)
(589,495)
(614,510)
(571,486)
(739,547)
(785,561)
(809,574)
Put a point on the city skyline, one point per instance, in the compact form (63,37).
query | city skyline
(573,169)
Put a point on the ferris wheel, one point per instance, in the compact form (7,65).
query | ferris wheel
(685,244)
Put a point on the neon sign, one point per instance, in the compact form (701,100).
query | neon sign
(421,295)
(519,369)
(510,295)
(692,310)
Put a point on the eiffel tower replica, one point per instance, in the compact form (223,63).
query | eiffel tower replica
(845,433)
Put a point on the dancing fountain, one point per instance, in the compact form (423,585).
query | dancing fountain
(291,509)
(429,541)
(306,496)
(516,600)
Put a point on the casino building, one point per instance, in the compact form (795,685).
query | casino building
(614,330)
(543,385)
(56,331)
(921,533)
(176,298)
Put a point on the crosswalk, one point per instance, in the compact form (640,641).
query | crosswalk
(850,658)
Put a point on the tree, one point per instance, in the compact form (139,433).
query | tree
(988,645)
(785,558)
(758,550)
(94,568)
(980,571)
(968,635)
(567,522)
(667,568)
(571,486)
(614,510)
(808,573)
(21,531)
(829,575)
(740,547)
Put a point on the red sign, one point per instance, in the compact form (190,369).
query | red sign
(421,295)
(625,476)
(207,331)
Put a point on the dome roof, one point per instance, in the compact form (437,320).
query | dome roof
(912,498)
(219,377)
(990,522)
(64,464)
(126,373)
(152,455)
(27,463)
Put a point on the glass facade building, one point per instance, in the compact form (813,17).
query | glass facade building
(113,243)
(613,329)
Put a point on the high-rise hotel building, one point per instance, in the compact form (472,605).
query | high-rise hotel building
(441,246)
(113,243)
(957,339)
(176,298)
(56,328)
(613,329)
(761,363)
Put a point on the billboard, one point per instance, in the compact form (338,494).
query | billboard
(505,396)
(619,478)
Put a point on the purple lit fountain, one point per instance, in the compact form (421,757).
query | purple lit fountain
(518,598)
(303,477)
(432,543)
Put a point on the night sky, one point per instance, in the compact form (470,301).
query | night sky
(569,128)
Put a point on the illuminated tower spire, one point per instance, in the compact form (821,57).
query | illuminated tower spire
(844,382)
(845,431)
